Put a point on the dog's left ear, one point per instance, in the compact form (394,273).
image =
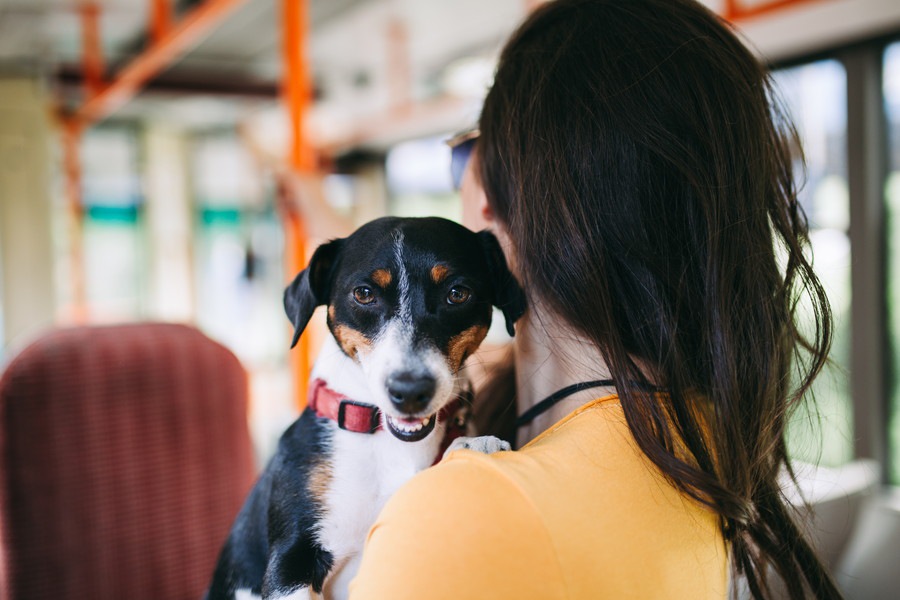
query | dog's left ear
(508,295)
(311,287)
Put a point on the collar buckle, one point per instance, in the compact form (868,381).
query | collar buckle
(374,416)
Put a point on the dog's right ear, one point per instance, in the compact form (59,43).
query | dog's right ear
(508,295)
(311,287)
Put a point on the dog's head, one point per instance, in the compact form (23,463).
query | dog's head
(409,300)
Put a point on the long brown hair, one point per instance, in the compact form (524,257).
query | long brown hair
(634,154)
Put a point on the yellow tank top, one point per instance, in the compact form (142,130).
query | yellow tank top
(578,513)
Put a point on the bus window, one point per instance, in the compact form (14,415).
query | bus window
(815,95)
(892,196)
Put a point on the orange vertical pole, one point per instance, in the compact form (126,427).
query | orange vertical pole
(92,50)
(160,19)
(71,139)
(94,68)
(182,35)
(298,98)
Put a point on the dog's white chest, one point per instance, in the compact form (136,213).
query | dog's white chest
(366,470)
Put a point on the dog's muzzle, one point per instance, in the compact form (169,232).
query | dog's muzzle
(410,394)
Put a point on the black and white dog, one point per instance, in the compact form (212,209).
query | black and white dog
(408,301)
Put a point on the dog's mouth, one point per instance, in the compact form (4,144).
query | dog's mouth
(411,430)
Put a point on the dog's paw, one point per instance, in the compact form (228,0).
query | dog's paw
(486,444)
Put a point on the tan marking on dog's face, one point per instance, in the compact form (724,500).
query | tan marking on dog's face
(439,273)
(352,341)
(464,344)
(331,314)
(382,278)
(319,481)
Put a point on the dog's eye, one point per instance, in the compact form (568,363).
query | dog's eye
(458,295)
(364,295)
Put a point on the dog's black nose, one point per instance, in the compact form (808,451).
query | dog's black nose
(409,392)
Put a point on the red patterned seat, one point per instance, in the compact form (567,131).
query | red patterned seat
(124,457)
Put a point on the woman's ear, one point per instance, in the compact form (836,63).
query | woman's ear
(476,214)
(508,295)
(487,213)
(311,287)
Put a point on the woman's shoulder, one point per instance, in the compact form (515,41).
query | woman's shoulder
(454,531)
(577,512)
(488,485)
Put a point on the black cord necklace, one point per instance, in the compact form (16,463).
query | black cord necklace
(547,403)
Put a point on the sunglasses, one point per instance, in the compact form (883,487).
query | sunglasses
(461,146)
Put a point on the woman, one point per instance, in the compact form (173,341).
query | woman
(633,166)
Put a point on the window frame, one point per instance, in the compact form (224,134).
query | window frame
(868,166)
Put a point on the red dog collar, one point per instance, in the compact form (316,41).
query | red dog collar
(366,418)
(350,415)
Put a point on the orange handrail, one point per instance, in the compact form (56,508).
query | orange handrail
(179,38)
(103,97)
(735,10)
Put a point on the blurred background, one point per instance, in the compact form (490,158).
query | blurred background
(178,160)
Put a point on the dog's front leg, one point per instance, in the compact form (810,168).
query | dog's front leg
(486,444)
(300,594)
(297,562)
(296,570)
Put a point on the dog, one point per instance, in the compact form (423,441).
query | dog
(408,300)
